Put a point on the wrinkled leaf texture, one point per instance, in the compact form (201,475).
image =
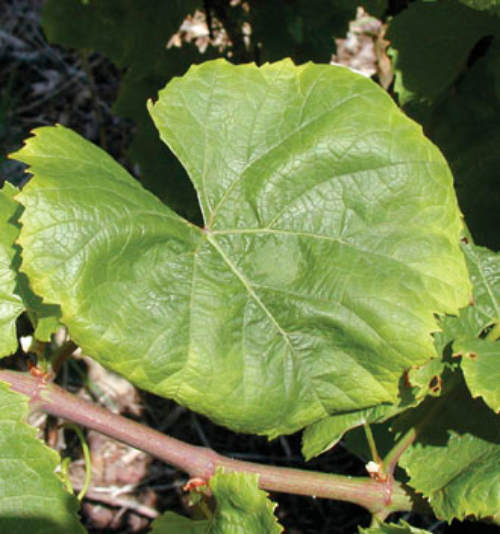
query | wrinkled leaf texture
(330,241)
(454,461)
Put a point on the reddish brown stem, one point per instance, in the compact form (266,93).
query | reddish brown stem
(202,462)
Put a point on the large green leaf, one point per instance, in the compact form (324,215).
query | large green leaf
(331,239)
(455,460)
(242,508)
(11,305)
(32,497)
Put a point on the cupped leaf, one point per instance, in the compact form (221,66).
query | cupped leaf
(330,241)
(481,368)
(455,459)
(241,508)
(11,305)
(32,497)
(392,528)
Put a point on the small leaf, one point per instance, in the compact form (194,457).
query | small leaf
(242,508)
(481,368)
(391,528)
(32,497)
(11,305)
(454,462)
(331,240)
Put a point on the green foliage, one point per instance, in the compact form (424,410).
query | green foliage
(241,508)
(134,36)
(32,497)
(313,293)
(447,65)
(454,462)
(306,235)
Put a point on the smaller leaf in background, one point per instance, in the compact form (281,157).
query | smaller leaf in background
(454,461)
(303,30)
(481,367)
(33,499)
(241,508)
(430,43)
(392,528)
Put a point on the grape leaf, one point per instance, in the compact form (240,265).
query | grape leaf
(391,528)
(454,462)
(32,497)
(11,305)
(242,508)
(331,239)
(430,44)
(481,368)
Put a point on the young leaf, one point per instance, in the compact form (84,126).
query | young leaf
(330,241)
(391,528)
(242,508)
(11,305)
(454,462)
(32,497)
